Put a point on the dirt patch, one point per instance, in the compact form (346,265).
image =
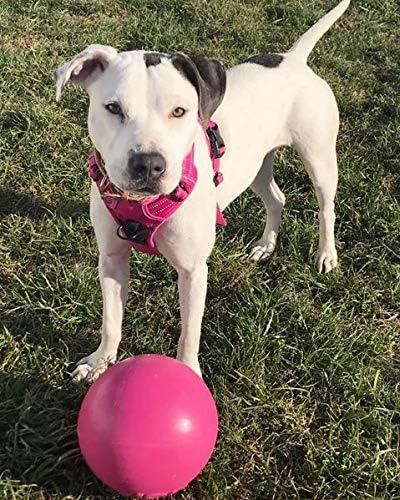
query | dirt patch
(25,41)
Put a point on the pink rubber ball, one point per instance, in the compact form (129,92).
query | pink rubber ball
(148,426)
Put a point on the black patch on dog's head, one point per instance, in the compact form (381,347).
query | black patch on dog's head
(152,58)
(267,60)
(208,77)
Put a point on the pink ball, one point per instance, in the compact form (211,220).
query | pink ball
(148,426)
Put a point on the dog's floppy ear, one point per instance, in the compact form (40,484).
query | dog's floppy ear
(208,76)
(84,67)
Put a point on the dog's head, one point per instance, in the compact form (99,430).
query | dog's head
(143,112)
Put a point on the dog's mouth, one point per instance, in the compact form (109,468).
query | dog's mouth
(146,191)
(141,189)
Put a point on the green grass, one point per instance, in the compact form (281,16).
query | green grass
(304,368)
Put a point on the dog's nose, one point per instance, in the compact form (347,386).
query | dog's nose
(146,166)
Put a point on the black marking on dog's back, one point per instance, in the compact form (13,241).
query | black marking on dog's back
(152,58)
(267,60)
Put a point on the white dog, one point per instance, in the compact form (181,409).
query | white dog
(144,119)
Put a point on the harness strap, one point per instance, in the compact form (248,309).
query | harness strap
(217,150)
(216,147)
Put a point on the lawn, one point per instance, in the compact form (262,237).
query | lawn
(305,368)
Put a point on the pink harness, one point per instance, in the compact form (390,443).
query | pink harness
(138,221)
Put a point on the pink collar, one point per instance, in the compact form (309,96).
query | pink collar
(139,218)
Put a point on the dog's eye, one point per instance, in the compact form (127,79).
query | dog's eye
(178,112)
(114,108)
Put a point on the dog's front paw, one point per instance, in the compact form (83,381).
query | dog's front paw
(326,260)
(88,369)
(261,251)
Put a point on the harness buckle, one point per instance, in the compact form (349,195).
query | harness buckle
(133,231)
(174,196)
(216,142)
(218,178)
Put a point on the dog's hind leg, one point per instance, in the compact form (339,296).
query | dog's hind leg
(315,129)
(266,188)
(322,168)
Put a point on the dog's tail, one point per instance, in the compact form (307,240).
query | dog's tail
(304,45)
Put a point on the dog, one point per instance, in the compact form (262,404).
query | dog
(148,110)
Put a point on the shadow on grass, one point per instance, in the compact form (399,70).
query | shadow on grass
(13,202)
(38,330)
(38,429)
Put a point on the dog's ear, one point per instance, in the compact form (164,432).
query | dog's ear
(84,67)
(208,76)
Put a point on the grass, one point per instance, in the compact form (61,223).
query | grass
(304,367)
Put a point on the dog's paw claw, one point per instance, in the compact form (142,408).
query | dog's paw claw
(326,261)
(88,369)
(82,373)
(261,252)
